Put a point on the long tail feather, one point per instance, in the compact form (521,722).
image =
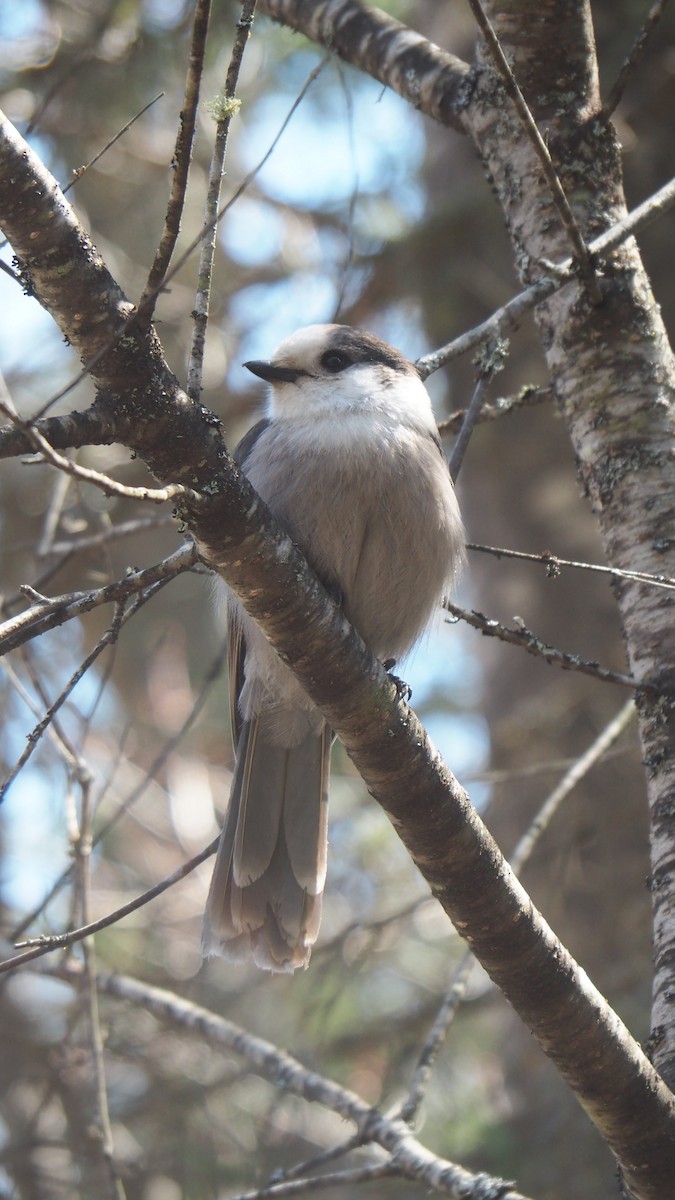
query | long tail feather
(265,896)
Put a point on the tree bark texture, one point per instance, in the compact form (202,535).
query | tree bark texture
(614,377)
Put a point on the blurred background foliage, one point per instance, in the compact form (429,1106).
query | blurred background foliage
(367,213)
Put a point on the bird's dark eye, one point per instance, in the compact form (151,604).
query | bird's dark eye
(335,361)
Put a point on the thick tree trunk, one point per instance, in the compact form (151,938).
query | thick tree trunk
(613,373)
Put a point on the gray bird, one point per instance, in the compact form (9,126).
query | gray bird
(348,460)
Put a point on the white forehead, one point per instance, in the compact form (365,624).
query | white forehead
(307,343)
(377,383)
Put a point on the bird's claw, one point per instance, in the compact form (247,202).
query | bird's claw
(404,689)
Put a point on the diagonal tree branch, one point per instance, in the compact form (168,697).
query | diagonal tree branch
(410,1158)
(430,78)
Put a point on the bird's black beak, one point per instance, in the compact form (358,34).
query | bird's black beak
(273,374)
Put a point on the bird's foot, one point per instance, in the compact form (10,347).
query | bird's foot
(404,689)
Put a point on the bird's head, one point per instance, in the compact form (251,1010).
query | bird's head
(333,368)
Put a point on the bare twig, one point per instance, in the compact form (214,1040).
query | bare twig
(39,946)
(630,65)
(223,109)
(109,637)
(489,363)
(110,487)
(53,514)
(300,1169)
(581,251)
(436,1037)
(554,565)
(49,612)
(597,750)
(508,317)
(103,537)
(7,270)
(102,1139)
(180,161)
(350,1177)
(523,637)
(80,171)
(550,766)
(412,1160)
(61,744)
(155,767)
(527,397)
(348,260)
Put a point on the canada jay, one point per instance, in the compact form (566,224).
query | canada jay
(348,460)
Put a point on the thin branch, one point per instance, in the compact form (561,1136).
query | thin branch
(523,637)
(301,1169)
(412,1160)
(630,65)
(299,1187)
(581,250)
(53,515)
(554,565)
(50,612)
(125,529)
(101,1138)
(490,362)
(108,639)
(109,487)
(597,750)
(549,766)
(436,1037)
(350,226)
(80,171)
(370,929)
(527,397)
(153,770)
(508,317)
(223,109)
(39,946)
(54,733)
(180,161)
(7,270)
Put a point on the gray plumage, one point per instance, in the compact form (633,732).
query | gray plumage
(348,460)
